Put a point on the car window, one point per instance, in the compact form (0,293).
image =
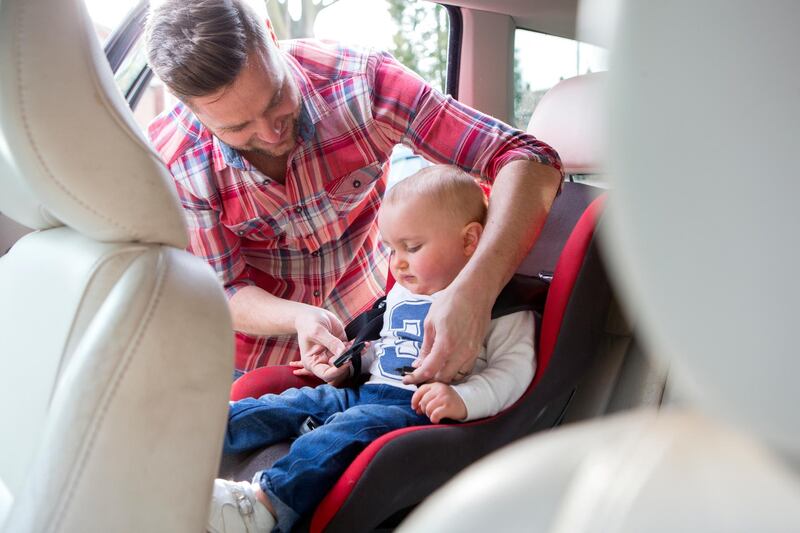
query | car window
(546,60)
(414,31)
(107,15)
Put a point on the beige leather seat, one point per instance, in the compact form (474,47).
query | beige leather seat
(702,234)
(569,118)
(116,347)
(10,232)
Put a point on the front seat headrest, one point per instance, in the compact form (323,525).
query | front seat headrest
(70,152)
(571,118)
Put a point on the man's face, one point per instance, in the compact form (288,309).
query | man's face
(428,245)
(258,111)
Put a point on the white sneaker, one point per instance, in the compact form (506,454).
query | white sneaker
(235,509)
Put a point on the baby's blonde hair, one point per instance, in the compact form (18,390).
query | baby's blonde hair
(450,188)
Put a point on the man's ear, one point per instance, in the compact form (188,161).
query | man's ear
(472,234)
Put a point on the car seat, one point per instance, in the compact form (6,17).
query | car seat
(116,347)
(699,238)
(401,468)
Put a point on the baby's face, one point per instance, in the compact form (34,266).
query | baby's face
(428,248)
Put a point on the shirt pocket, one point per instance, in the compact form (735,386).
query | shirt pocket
(261,229)
(347,192)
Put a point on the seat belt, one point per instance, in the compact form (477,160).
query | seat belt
(522,293)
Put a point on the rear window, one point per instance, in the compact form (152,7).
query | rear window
(541,61)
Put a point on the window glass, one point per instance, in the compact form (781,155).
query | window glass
(107,15)
(415,31)
(541,61)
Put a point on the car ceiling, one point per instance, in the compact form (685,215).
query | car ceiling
(556,17)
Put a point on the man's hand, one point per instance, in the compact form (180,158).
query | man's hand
(454,331)
(438,401)
(322,338)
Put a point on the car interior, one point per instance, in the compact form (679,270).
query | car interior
(664,394)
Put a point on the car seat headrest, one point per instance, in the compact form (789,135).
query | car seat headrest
(70,151)
(704,218)
(570,118)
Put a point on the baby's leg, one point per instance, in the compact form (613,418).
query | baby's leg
(298,482)
(258,422)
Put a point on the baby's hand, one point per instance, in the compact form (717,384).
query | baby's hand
(319,363)
(438,401)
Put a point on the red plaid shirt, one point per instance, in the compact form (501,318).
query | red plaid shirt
(315,239)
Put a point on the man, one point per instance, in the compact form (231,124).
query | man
(278,157)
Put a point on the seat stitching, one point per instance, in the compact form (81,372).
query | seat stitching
(100,262)
(79,467)
(29,133)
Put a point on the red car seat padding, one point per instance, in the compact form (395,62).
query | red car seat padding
(269,380)
(567,269)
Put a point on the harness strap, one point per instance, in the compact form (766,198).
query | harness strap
(522,293)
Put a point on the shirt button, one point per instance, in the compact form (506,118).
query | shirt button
(315,253)
(316,293)
(356,184)
(240,232)
(298,209)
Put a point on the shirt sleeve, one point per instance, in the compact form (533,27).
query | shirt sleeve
(510,367)
(209,239)
(443,130)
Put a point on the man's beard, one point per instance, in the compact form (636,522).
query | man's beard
(292,136)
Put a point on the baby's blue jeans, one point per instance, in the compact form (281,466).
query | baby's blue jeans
(349,420)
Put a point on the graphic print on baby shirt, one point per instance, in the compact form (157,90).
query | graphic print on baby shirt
(406,320)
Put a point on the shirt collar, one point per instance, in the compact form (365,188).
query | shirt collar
(313,108)
(223,155)
(313,102)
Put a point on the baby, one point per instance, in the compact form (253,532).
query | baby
(432,222)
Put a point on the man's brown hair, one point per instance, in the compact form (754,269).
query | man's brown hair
(198,47)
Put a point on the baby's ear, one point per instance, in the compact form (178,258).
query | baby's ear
(472,234)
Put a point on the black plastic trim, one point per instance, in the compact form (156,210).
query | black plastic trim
(120,44)
(139,86)
(454,49)
(125,35)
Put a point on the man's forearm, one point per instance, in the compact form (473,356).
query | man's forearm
(521,198)
(258,312)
